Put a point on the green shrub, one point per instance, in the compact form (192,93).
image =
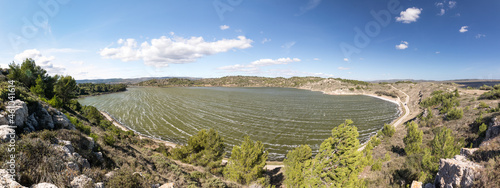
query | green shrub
(388,130)
(246,162)
(201,149)
(377,166)
(94,136)
(55,102)
(413,138)
(455,113)
(387,157)
(125,178)
(375,141)
(483,105)
(295,165)
(214,183)
(482,130)
(109,139)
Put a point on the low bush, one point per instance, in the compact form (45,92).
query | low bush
(455,113)
(388,130)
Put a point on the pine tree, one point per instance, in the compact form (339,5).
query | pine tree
(413,139)
(39,88)
(247,162)
(202,149)
(443,144)
(65,88)
(295,166)
(338,162)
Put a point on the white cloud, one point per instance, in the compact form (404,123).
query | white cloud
(266,40)
(441,12)
(77,62)
(464,29)
(402,46)
(177,50)
(439,4)
(311,4)
(42,61)
(345,59)
(409,15)
(343,68)
(452,4)
(478,36)
(438,52)
(224,27)
(316,59)
(254,66)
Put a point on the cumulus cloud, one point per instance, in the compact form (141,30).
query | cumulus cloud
(316,59)
(42,61)
(442,12)
(343,68)
(177,50)
(409,15)
(345,59)
(402,46)
(254,66)
(224,27)
(464,29)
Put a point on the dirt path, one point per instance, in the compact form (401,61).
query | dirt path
(402,118)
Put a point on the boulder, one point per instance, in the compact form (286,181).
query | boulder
(99,156)
(31,123)
(67,144)
(81,181)
(167,185)
(416,184)
(20,110)
(6,180)
(493,129)
(60,120)
(3,118)
(456,172)
(44,119)
(6,133)
(91,143)
(44,185)
(468,152)
(109,175)
(73,166)
(429,185)
(99,185)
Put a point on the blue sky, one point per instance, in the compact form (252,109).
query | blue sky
(437,40)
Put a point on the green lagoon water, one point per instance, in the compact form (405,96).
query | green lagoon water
(282,118)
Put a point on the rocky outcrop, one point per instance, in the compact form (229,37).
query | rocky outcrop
(7,181)
(74,160)
(416,184)
(81,181)
(6,133)
(468,152)
(21,112)
(456,172)
(493,129)
(44,185)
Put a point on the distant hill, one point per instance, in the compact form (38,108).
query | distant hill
(126,80)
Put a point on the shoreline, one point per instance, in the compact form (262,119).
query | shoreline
(141,136)
(397,101)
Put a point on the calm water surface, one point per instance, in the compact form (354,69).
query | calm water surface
(282,118)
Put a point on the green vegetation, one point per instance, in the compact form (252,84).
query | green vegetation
(413,139)
(493,94)
(204,149)
(483,105)
(355,82)
(246,162)
(482,130)
(295,164)
(234,81)
(337,163)
(388,130)
(386,93)
(455,113)
(92,89)
(405,82)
